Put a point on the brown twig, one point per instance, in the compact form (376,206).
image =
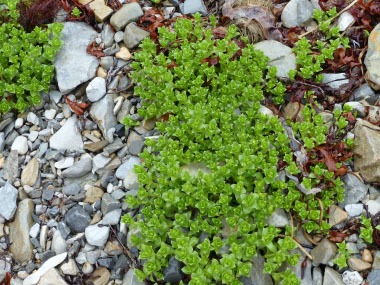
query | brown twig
(306,235)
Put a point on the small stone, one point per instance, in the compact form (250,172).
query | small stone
(355,189)
(96,146)
(70,268)
(18,123)
(357,107)
(128,13)
(118,36)
(332,277)
(294,109)
(371,58)
(79,169)
(93,194)
(99,162)
(66,162)
(324,252)
(8,198)
(279,219)
(102,113)
(354,210)
(345,20)
(373,207)
(296,13)
(358,264)
(32,118)
(52,276)
(123,54)
(112,218)
(335,80)
(71,189)
(77,219)
(96,235)
(126,167)
(173,272)
(87,268)
(96,89)
(101,72)
(20,144)
(100,276)
(130,278)
(50,114)
(68,137)
(133,35)
(113,248)
(11,167)
(367,256)
(136,147)
(58,244)
(373,277)
(194,6)
(92,256)
(337,215)
(109,204)
(34,230)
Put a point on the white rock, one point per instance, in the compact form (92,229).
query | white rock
(345,20)
(265,111)
(87,268)
(68,137)
(334,80)
(126,167)
(99,161)
(34,230)
(70,268)
(352,278)
(130,182)
(33,135)
(64,163)
(58,244)
(354,209)
(112,218)
(32,118)
(96,89)
(96,235)
(50,114)
(43,236)
(52,277)
(297,13)
(8,198)
(18,123)
(20,144)
(373,206)
(50,263)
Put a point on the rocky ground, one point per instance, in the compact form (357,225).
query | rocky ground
(64,178)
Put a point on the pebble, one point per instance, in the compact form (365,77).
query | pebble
(332,277)
(102,113)
(133,35)
(34,230)
(58,244)
(68,137)
(355,190)
(335,80)
(297,13)
(194,6)
(126,167)
(128,13)
(70,268)
(352,278)
(20,144)
(358,264)
(373,207)
(130,278)
(367,256)
(100,276)
(324,252)
(96,235)
(96,89)
(66,162)
(337,215)
(112,218)
(32,118)
(354,210)
(77,219)
(8,198)
(79,169)
(19,122)
(50,114)
(123,54)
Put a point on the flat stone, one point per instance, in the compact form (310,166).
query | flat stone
(297,13)
(70,268)
(332,277)
(130,182)
(97,235)
(34,230)
(364,92)
(21,247)
(32,118)
(77,219)
(173,272)
(194,6)
(130,278)
(20,144)
(373,277)
(11,167)
(354,210)
(124,110)
(68,137)
(367,151)
(113,248)
(126,167)
(8,198)
(73,56)
(99,162)
(317,276)
(355,189)
(133,35)
(335,80)
(58,244)
(79,169)
(102,113)
(93,194)
(101,11)
(95,146)
(280,56)
(71,189)
(127,14)
(373,207)
(30,173)
(123,54)
(324,252)
(55,96)
(358,264)
(50,114)
(337,215)
(345,20)
(136,147)
(52,276)
(96,89)
(109,203)
(112,218)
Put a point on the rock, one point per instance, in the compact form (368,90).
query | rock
(345,20)
(97,235)
(107,35)
(77,219)
(352,278)
(123,54)
(107,62)
(324,252)
(30,173)
(294,109)
(127,14)
(100,276)
(130,278)
(373,277)
(20,144)
(96,146)
(364,92)
(371,59)
(58,244)
(70,268)
(335,80)
(367,151)
(194,6)
(302,274)
(354,210)
(64,163)
(112,218)
(96,89)
(317,276)
(79,169)
(68,137)
(8,198)
(355,189)
(49,264)
(87,268)
(99,162)
(173,272)
(256,275)
(337,215)
(50,114)
(133,35)
(73,65)
(280,56)
(358,264)
(376,261)
(92,256)
(55,96)
(136,147)
(71,189)
(130,181)
(93,194)
(52,277)
(34,230)
(126,167)
(124,110)
(367,256)
(102,113)
(297,13)
(373,207)
(101,72)
(102,12)
(279,219)
(11,167)
(357,107)
(21,247)
(109,203)
(332,277)
(113,248)
(32,118)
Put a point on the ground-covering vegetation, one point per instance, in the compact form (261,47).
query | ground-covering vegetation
(221,167)
(26,56)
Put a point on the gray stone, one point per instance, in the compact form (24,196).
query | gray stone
(296,13)
(126,167)
(372,58)
(58,244)
(317,276)
(71,189)
(106,262)
(374,277)
(112,218)
(335,80)
(92,256)
(173,272)
(97,235)
(280,56)
(77,219)
(194,6)
(345,20)
(64,229)
(73,65)
(99,162)
(133,35)
(128,13)
(115,146)
(102,113)
(124,110)
(11,167)
(118,36)
(2,141)
(5,123)
(79,169)
(20,144)
(34,230)
(357,107)
(47,194)
(302,274)
(8,198)
(96,89)
(332,277)
(55,96)
(130,278)
(107,35)
(279,219)
(109,204)
(257,277)
(106,62)
(136,147)
(354,210)
(355,189)
(68,137)
(324,252)
(363,92)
